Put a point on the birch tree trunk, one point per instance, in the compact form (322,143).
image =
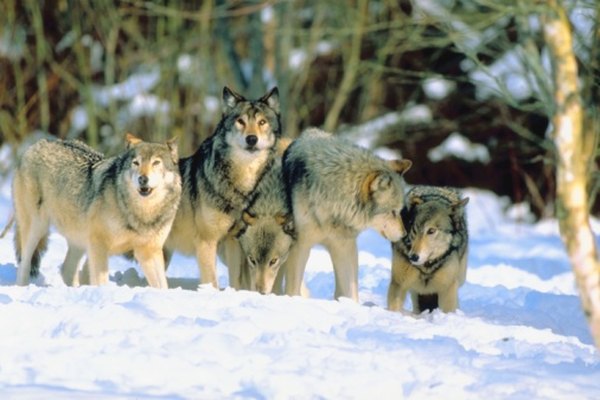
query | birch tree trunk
(572,171)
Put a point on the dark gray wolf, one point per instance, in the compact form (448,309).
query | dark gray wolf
(102,206)
(430,262)
(220,178)
(337,189)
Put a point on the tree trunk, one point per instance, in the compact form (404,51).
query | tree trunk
(572,164)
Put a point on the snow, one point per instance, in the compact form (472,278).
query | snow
(134,85)
(520,332)
(456,145)
(436,88)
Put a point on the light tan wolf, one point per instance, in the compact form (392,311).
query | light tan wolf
(337,189)
(102,206)
(220,178)
(430,262)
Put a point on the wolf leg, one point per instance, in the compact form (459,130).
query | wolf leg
(69,269)
(31,239)
(344,256)
(98,263)
(295,265)
(206,254)
(395,296)
(230,252)
(152,261)
(278,284)
(448,299)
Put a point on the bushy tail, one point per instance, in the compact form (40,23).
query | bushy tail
(9,224)
(36,258)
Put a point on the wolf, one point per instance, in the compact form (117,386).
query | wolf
(102,206)
(430,262)
(335,190)
(220,177)
(263,238)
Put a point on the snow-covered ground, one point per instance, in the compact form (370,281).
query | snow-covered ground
(520,333)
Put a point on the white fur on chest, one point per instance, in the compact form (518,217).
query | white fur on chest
(246,168)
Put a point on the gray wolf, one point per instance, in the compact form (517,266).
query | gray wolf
(337,189)
(263,239)
(102,206)
(430,262)
(220,177)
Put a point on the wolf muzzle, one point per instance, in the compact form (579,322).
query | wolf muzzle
(144,189)
(251,140)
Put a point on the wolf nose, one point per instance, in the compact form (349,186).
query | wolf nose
(413,257)
(143,180)
(251,140)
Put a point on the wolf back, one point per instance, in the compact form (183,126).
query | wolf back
(430,261)
(101,205)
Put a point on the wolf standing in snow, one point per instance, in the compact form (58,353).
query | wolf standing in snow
(102,206)
(220,178)
(264,238)
(430,262)
(337,189)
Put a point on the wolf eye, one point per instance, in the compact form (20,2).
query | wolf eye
(155,163)
(240,121)
(273,261)
(431,231)
(136,163)
(262,122)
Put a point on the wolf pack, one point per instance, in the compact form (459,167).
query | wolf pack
(256,199)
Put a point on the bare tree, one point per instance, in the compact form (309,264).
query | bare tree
(575,146)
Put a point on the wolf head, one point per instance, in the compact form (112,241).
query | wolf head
(153,166)
(433,224)
(266,242)
(383,192)
(251,125)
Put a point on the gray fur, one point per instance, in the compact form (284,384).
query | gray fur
(268,232)
(430,261)
(99,204)
(220,178)
(337,189)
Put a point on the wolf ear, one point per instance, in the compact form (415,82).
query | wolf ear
(230,99)
(287,222)
(376,180)
(172,145)
(460,205)
(132,140)
(272,99)
(248,218)
(400,166)
(415,201)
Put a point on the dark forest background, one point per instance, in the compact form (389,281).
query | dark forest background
(69,68)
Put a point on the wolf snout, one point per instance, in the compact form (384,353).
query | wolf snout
(251,140)
(143,180)
(144,189)
(413,258)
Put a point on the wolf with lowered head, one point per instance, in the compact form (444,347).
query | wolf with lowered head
(336,190)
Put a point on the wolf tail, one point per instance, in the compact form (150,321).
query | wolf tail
(36,257)
(9,224)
